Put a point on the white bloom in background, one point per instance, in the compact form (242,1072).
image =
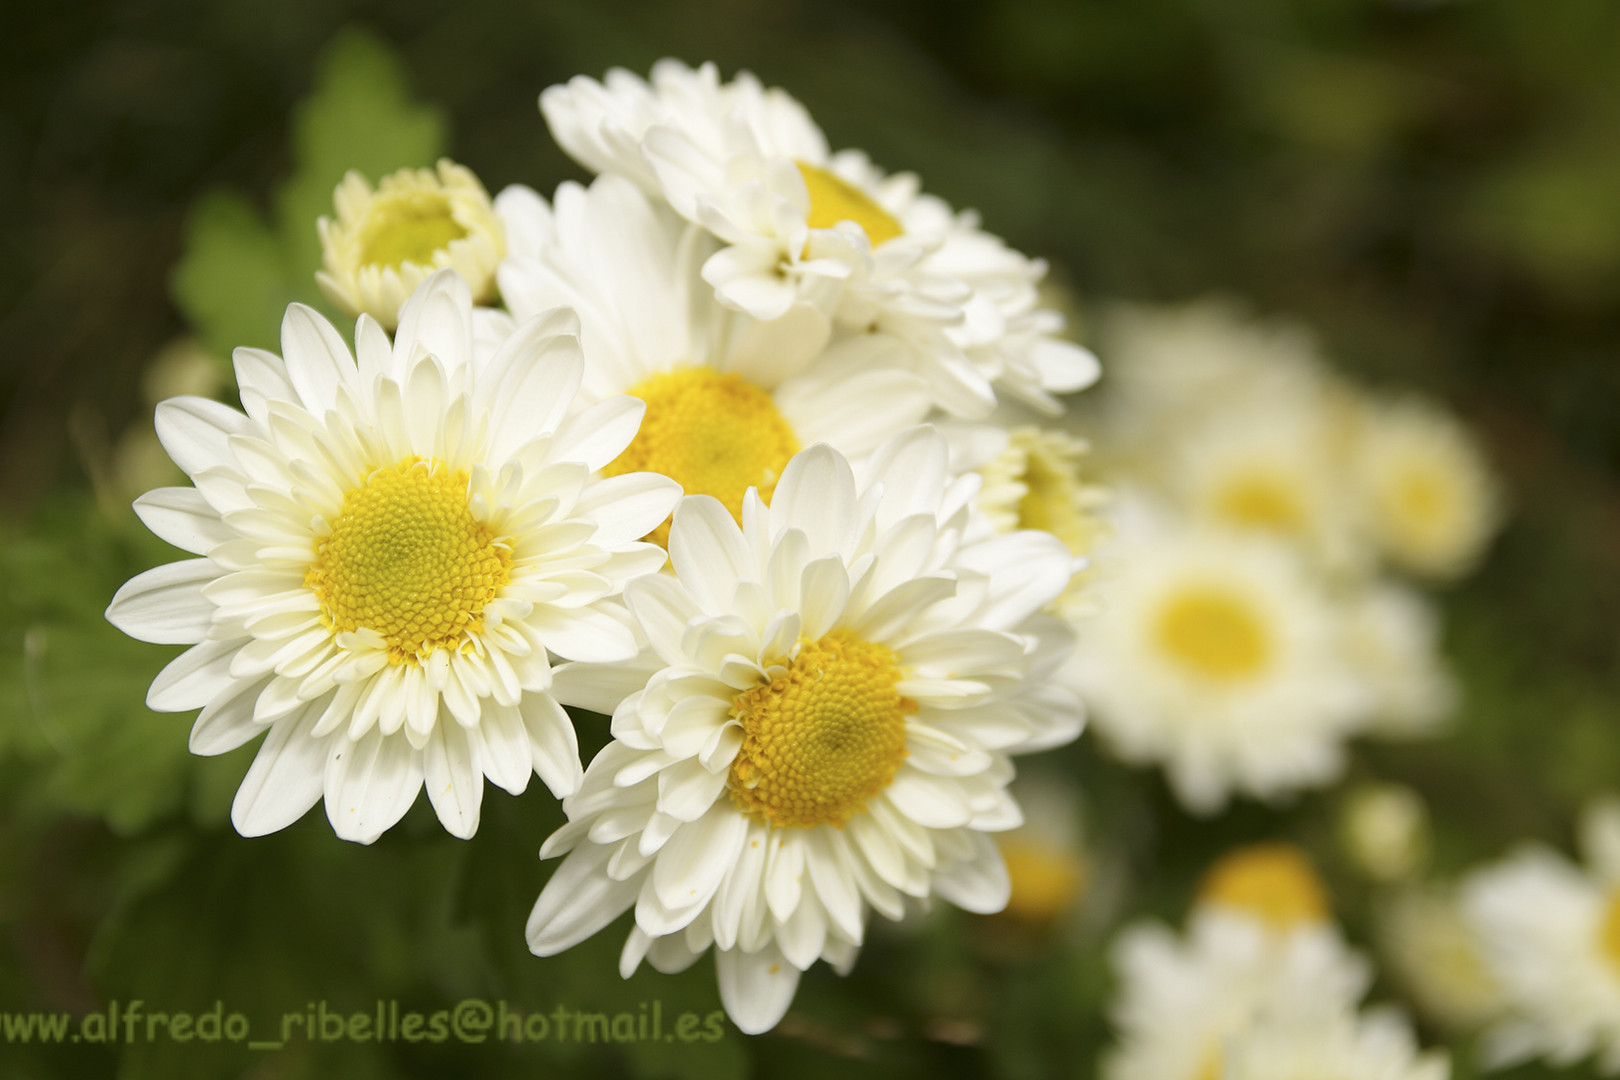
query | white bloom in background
(1435,957)
(1255,468)
(1259,942)
(821,727)
(729,399)
(387,241)
(1425,492)
(1033,481)
(1391,637)
(1217,657)
(1377,1045)
(388,550)
(1048,868)
(1550,933)
(798,223)
(1172,367)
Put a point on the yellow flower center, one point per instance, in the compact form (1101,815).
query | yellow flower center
(713,434)
(407,560)
(1045,878)
(823,737)
(1260,500)
(1420,498)
(1609,930)
(409,225)
(834,199)
(1214,632)
(1273,881)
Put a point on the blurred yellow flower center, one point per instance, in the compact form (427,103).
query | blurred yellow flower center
(408,225)
(1420,498)
(1610,930)
(1260,500)
(1053,500)
(823,737)
(1213,632)
(713,434)
(834,199)
(1045,878)
(1275,882)
(407,560)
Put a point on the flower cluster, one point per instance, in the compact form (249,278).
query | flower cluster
(1271,520)
(648,448)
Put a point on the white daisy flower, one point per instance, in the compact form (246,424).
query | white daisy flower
(1377,1045)
(729,399)
(386,241)
(1426,494)
(800,223)
(1550,933)
(389,549)
(1181,1000)
(1255,467)
(1391,636)
(822,727)
(1218,658)
(1435,956)
(1384,829)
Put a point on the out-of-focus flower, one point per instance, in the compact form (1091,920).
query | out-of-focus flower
(1436,958)
(1391,639)
(1550,934)
(820,726)
(1035,482)
(1425,492)
(798,223)
(1046,859)
(388,552)
(729,399)
(1217,657)
(386,241)
(1376,1045)
(1272,882)
(1385,830)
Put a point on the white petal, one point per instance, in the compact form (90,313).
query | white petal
(816,495)
(196,432)
(708,552)
(756,988)
(586,634)
(165,605)
(978,884)
(226,722)
(600,433)
(579,900)
(194,678)
(370,784)
(317,360)
(506,756)
(553,744)
(627,507)
(692,864)
(454,781)
(182,517)
(285,779)
(931,802)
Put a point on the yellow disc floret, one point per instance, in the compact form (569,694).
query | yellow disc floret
(714,434)
(1609,929)
(1259,499)
(1213,632)
(407,560)
(408,225)
(1275,882)
(834,199)
(823,737)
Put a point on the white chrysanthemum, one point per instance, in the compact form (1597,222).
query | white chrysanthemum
(1550,933)
(1391,638)
(1377,1045)
(822,725)
(1033,481)
(1218,658)
(729,399)
(386,242)
(1173,367)
(1436,958)
(1425,492)
(1254,467)
(800,223)
(388,551)
(1181,1000)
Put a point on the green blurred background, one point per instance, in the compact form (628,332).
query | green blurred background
(1434,186)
